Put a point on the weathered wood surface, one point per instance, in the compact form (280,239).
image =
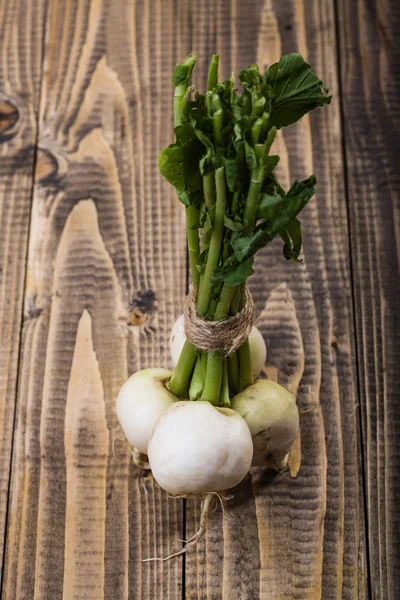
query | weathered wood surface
(21,35)
(106,276)
(370,84)
(303,536)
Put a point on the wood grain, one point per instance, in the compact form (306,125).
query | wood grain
(21,35)
(106,279)
(106,276)
(297,537)
(370,81)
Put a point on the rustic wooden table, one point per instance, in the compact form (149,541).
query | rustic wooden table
(93,274)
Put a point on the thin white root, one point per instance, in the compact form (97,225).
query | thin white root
(205,507)
(221,499)
(140,459)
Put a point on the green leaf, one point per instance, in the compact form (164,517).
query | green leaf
(232,225)
(201,261)
(244,247)
(295,90)
(270,139)
(268,205)
(170,163)
(292,240)
(258,106)
(188,199)
(240,273)
(250,155)
(208,163)
(179,163)
(180,75)
(278,188)
(269,163)
(241,108)
(250,77)
(204,139)
(194,107)
(305,188)
(223,270)
(182,72)
(206,238)
(184,134)
(183,197)
(233,173)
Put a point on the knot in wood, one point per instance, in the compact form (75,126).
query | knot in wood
(46,165)
(9,116)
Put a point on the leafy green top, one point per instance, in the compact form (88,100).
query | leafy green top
(225,129)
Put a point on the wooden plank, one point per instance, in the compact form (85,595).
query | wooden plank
(370,91)
(299,535)
(107,276)
(21,37)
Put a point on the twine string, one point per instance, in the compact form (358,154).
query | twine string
(224,336)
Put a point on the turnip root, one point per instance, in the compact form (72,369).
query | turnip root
(196,448)
(177,339)
(199,450)
(258,349)
(272,416)
(141,401)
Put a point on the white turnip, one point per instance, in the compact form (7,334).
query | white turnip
(272,416)
(141,401)
(196,448)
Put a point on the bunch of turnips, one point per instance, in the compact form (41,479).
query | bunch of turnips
(205,423)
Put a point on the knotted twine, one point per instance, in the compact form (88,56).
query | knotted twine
(223,336)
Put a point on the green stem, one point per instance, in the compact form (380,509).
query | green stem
(244,355)
(212,78)
(181,89)
(191,212)
(204,364)
(224,395)
(233,360)
(265,122)
(204,296)
(197,382)
(217,119)
(212,81)
(212,307)
(250,215)
(235,201)
(212,385)
(209,190)
(224,302)
(256,130)
(245,366)
(270,140)
(250,211)
(193,242)
(235,304)
(179,382)
(217,127)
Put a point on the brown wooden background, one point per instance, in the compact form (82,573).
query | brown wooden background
(93,274)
